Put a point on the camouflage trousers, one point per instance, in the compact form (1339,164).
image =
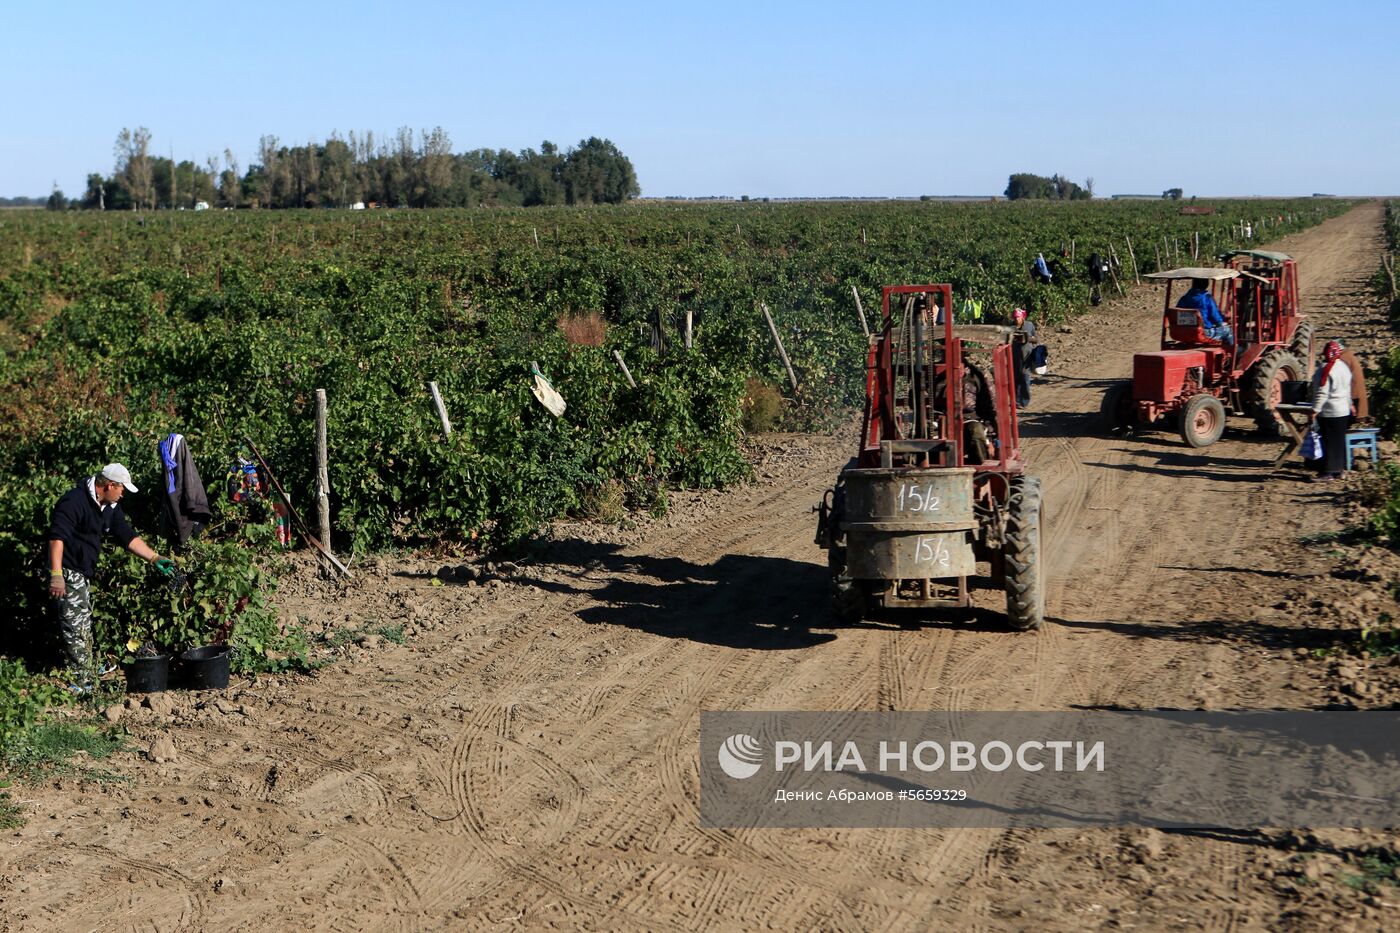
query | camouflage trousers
(73,611)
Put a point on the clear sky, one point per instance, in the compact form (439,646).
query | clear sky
(775,99)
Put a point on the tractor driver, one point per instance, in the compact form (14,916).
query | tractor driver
(1212,321)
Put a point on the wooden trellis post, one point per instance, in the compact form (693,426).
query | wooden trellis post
(773,329)
(1112,270)
(1136,278)
(861,311)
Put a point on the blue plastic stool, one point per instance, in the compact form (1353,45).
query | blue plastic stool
(1363,439)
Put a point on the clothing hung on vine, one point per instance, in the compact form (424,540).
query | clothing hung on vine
(184,507)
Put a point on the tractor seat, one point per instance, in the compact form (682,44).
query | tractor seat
(1184,326)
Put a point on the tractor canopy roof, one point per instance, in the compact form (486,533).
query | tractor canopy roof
(1255,254)
(1191,272)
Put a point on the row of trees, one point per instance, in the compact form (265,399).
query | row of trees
(1055,188)
(342,172)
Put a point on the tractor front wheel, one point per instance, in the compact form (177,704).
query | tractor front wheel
(1116,409)
(1202,421)
(1025,577)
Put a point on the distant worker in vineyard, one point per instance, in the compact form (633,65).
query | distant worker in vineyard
(84,515)
(1023,340)
(1213,323)
(1332,409)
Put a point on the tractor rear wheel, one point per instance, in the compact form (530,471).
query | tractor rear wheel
(1022,555)
(1116,409)
(1202,420)
(1266,381)
(1301,344)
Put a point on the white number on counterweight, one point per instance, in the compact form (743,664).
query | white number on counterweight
(931,550)
(913,498)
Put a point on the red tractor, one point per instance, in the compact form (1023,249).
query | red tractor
(938,484)
(1195,381)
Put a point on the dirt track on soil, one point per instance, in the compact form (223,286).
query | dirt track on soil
(529,759)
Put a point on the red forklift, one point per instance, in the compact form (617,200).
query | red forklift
(1193,382)
(938,485)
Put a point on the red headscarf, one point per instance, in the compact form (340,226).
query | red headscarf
(1331,353)
(1018,315)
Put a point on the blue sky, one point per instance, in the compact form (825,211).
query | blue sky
(766,99)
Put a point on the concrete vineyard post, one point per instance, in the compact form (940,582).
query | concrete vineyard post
(323,482)
(1133,259)
(617,355)
(441,409)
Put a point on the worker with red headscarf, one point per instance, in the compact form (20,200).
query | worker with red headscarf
(1332,411)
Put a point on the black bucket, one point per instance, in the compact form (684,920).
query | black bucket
(148,675)
(1295,392)
(205,668)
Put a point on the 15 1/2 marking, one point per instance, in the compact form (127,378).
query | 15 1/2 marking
(914,498)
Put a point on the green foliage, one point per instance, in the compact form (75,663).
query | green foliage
(1381,639)
(1384,522)
(11,816)
(1378,865)
(340,637)
(46,748)
(339,173)
(115,331)
(23,699)
(230,575)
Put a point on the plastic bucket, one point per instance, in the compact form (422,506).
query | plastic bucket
(1295,392)
(148,675)
(205,668)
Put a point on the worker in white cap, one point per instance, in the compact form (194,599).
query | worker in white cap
(85,515)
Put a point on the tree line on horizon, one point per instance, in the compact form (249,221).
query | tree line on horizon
(360,170)
(1055,188)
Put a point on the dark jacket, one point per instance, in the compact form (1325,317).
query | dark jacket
(81,526)
(184,509)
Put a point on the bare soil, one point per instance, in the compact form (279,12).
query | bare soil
(529,758)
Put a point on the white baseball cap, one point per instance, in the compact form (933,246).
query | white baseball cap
(116,473)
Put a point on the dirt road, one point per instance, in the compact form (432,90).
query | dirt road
(529,758)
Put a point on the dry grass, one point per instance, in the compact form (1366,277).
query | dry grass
(37,403)
(584,330)
(763,406)
(605,502)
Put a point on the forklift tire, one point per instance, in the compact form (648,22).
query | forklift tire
(1274,366)
(1115,411)
(848,597)
(1202,421)
(850,601)
(1022,555)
